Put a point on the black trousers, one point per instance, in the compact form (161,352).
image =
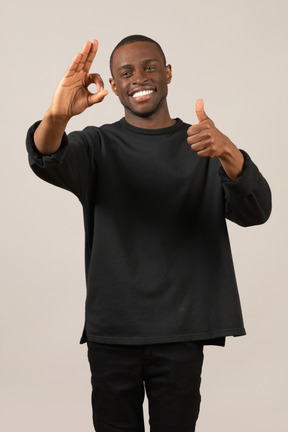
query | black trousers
(169,372)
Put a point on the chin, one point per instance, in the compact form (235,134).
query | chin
(145,114)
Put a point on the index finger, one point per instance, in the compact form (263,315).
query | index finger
(194,129)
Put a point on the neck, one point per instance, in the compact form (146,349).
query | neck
(156,120)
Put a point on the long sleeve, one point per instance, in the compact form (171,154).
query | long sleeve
(72,167)
(248,199)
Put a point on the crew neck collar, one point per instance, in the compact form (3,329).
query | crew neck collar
(145,131)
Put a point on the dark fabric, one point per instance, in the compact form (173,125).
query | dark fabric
(158,260)
(170,373)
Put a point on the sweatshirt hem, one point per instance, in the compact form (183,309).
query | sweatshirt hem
(166,339)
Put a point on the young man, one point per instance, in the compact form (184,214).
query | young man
(155,194)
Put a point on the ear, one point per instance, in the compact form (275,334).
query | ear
(168,73)
(113,86)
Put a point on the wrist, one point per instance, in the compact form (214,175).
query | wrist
(228,150)
(56,119)
(232,160)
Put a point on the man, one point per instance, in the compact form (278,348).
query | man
(155,194)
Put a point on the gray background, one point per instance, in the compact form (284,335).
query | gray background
(233,54)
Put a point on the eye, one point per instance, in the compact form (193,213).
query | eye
(126,74)
(150,68)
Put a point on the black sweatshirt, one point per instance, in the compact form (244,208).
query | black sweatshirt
(157,254)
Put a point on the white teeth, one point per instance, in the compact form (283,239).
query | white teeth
(142,93)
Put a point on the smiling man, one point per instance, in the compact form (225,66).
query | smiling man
(155,193)
(140,78)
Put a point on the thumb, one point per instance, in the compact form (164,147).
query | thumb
(199,108)
(94,98)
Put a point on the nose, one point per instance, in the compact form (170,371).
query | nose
(139,76)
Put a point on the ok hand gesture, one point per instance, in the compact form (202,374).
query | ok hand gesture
(72,96)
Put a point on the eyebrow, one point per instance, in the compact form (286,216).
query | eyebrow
(127,66)
(151,60)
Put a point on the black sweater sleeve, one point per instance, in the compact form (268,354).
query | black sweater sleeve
(72,166)
(248,199)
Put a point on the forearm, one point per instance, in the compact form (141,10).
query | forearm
(231,160)
(48,135)
(248,199)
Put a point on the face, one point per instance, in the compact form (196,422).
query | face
(140,79)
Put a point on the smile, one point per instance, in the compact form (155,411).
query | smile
(142,93)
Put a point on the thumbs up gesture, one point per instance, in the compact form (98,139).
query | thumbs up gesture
(207,141)
(204,138)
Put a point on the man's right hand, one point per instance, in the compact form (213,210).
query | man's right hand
(72,96)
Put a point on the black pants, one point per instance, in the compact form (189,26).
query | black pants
(170,374)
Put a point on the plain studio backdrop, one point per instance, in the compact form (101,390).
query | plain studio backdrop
(233,54)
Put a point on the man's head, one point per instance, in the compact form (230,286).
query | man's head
(140,77)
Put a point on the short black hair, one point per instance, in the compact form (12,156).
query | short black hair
(135,38)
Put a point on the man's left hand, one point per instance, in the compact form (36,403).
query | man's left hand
(204,138)
(207,141)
